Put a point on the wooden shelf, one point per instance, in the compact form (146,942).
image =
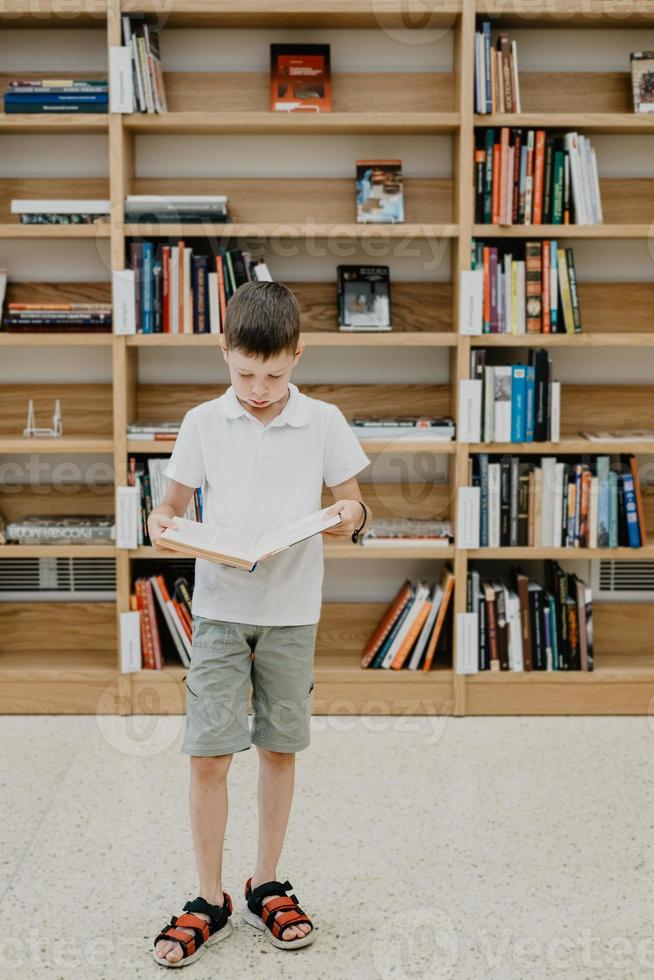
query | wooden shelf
(16,230)
(395,338)
(299,14)
(61,444)
(583,339)
(582,446)
(87,122)
(55,339)
(611,668)
(569,13)
(290,123)
(342,552)
(586,122)
(575,554)
(58,551)
(64,14)
(300,230)
(372,447)
(606,231)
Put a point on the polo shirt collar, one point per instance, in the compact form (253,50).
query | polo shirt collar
(294,413)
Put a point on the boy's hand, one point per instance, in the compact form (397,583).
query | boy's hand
(351,513)
(157,524)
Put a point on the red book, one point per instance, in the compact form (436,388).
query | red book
(165,262)
(154,629)
(182,284)
(222,300)
(539,168)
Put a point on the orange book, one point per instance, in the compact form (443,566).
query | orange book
(154,628)
(183,619)
(546,297)
(221,291)
(447,584)
(633,465)
(411,637)
(386,625)
(146,639)
(300,78)
(539,167)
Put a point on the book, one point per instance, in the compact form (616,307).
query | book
(229,546)
(300,78)
(59,529)
(379,191)
(386,624)
(364,300)
(642,80)
(397,532)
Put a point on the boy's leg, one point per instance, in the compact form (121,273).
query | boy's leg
(208,806)
(282,678)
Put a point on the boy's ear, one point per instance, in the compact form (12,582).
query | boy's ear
(299,350)
(223,349)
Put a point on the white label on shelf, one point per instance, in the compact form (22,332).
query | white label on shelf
(471,288)
(130,642)
(468,427)
(121,87)
(468,502)
(467,643)
(128,513)
(124,301)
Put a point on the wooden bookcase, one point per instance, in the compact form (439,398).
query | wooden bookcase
(63,657)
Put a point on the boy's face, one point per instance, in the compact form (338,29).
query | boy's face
(260,383)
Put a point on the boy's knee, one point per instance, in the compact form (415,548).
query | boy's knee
(210,767)
(277,759)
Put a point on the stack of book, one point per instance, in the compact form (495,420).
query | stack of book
(58,318)
(147,76)
(147,473)
(414,627)
(531,177)
(399,532)
(179,290)
(530,288)
(61,212)
(559,503)
(167,209)
(56,95)
(403,427)
(164,619)
(58,529)
(145,431)
(516,402)
(526,625)
(364,297)
(497,81)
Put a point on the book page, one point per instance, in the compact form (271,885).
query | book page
(211,537)
(294,532)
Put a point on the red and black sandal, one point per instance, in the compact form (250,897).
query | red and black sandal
(277,916)
(204,933)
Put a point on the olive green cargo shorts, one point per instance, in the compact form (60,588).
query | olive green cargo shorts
(229,659)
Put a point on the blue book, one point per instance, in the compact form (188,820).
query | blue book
(147,288)
(518,398)
(551,615)
(554,291)
(482,460)
(631,510)
(383,650)
(613,509)
(24,98)
(486,31)
(603,504)
(530,403)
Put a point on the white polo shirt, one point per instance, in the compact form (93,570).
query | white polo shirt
(255,477)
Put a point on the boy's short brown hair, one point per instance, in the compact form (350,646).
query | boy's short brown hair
(262,320)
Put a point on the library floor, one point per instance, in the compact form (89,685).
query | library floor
(423,848)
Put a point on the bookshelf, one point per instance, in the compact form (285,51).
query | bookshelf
(46,661)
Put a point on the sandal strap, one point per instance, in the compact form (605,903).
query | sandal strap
(281,924)
(188,943)
(267,888)
(282,913)
(218,914)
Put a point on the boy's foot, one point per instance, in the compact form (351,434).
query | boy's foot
(202,925)
(279,915)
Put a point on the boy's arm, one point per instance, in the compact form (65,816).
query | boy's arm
(177,498)
(347,496)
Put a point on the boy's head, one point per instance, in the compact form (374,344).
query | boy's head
(261,343)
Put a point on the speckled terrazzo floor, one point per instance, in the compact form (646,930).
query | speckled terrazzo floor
(424,848)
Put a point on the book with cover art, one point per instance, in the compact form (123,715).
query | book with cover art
(364,301)
(379,191)
(300,78)
(228,546)
(642,80)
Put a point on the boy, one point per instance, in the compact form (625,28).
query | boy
(262,451)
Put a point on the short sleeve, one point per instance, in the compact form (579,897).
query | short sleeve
(343,457)
(185,464)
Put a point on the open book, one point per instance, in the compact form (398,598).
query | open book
(236,548)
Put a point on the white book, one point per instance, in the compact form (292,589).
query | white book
(512,606)
(494,505)
(502,403)
(123,289)
(418,650)
(141,49)
(488,427)
(262,272)
(468,505)
(130,642)
(522,299)
(172,200)
(174,289)
(508,290)
(586,178)
(593,511)
(61,206)
(516,76)
(557,529)
(529,183)
(578,197)
(214,304)
(421,596)
(479,106)
(3,290)
(471,291)
(171,618)
(469,415)
(555,411)
(548,467)
(121,82)
(229,546)
(187,326)
(467,643)
(599,214)
(128,516)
